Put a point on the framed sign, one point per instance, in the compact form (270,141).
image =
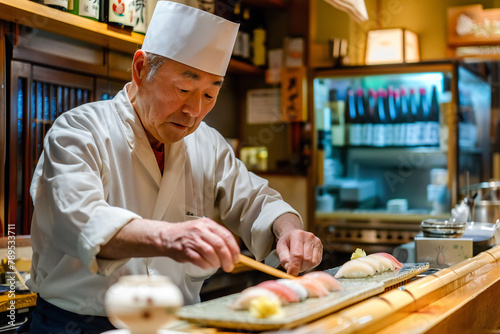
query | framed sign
(263,106)
(473,25)
(293,93)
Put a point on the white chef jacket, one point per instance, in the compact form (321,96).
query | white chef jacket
(98,172)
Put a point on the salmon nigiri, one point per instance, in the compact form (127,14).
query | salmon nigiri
(326,279)
(314,287)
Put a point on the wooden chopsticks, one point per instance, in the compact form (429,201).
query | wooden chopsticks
(249,262)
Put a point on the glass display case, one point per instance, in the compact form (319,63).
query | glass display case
(394,145)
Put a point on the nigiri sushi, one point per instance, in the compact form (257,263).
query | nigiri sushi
(326,279)
(374,262)
(314,287)
(355,269)
(364,266)
(295,286)
(246,296)
(285,294)
(397,264)
(385,262)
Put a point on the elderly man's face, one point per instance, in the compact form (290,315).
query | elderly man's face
(174,103)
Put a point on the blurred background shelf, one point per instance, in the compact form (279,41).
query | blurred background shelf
(41,17)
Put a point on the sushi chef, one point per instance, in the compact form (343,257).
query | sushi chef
(135,185)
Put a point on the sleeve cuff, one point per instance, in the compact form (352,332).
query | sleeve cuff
(262,234)
(100,228)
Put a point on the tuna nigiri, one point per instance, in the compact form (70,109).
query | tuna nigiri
(285,294)
(295,286)
(314,287)
(326,279)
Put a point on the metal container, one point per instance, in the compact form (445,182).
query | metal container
(486,191)
(486,211)
(484,201)
(482,235)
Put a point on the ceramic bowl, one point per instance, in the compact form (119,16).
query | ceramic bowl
(142,303)
(442,228)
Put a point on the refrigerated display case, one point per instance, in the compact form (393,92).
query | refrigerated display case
(381,168)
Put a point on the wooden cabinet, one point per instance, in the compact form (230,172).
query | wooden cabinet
(41,94)
(364,178)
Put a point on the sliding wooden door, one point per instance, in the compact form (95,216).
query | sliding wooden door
(38,95)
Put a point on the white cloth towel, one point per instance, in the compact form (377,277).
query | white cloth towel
(355,8)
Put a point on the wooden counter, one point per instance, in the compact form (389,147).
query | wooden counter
(461,299)
(464,298)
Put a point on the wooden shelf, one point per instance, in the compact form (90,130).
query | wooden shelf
(265,3)
(37,16)
(41,17)
(240,67)
(325,218)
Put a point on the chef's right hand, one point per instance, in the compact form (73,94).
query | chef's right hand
(202,242)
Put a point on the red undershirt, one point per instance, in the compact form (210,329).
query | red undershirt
(159,155)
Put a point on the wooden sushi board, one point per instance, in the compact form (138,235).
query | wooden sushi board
(217,312)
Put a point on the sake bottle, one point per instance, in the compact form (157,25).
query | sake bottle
(433,118)
(73,7)
(259,33)
(89,9)
(362,119)
(57,4)
(380,119)
(337,108)
(414,129)
(120,13)
(404,115)
(390,125)
(423,112)
(352,120)
(245,32)
(238,43)
(140,16)
(371,115)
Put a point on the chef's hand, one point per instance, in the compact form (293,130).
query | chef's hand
(202,242)
(297,249)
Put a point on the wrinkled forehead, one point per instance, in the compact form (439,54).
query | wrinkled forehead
(180,70)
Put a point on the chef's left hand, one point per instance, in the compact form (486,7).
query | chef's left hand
(297,249)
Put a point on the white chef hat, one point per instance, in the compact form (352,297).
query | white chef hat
(191,36)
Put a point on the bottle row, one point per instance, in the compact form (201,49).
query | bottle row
(392,117)
(129,14)
(383,117)
(250,45)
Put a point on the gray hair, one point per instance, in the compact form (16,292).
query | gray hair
(155,61)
